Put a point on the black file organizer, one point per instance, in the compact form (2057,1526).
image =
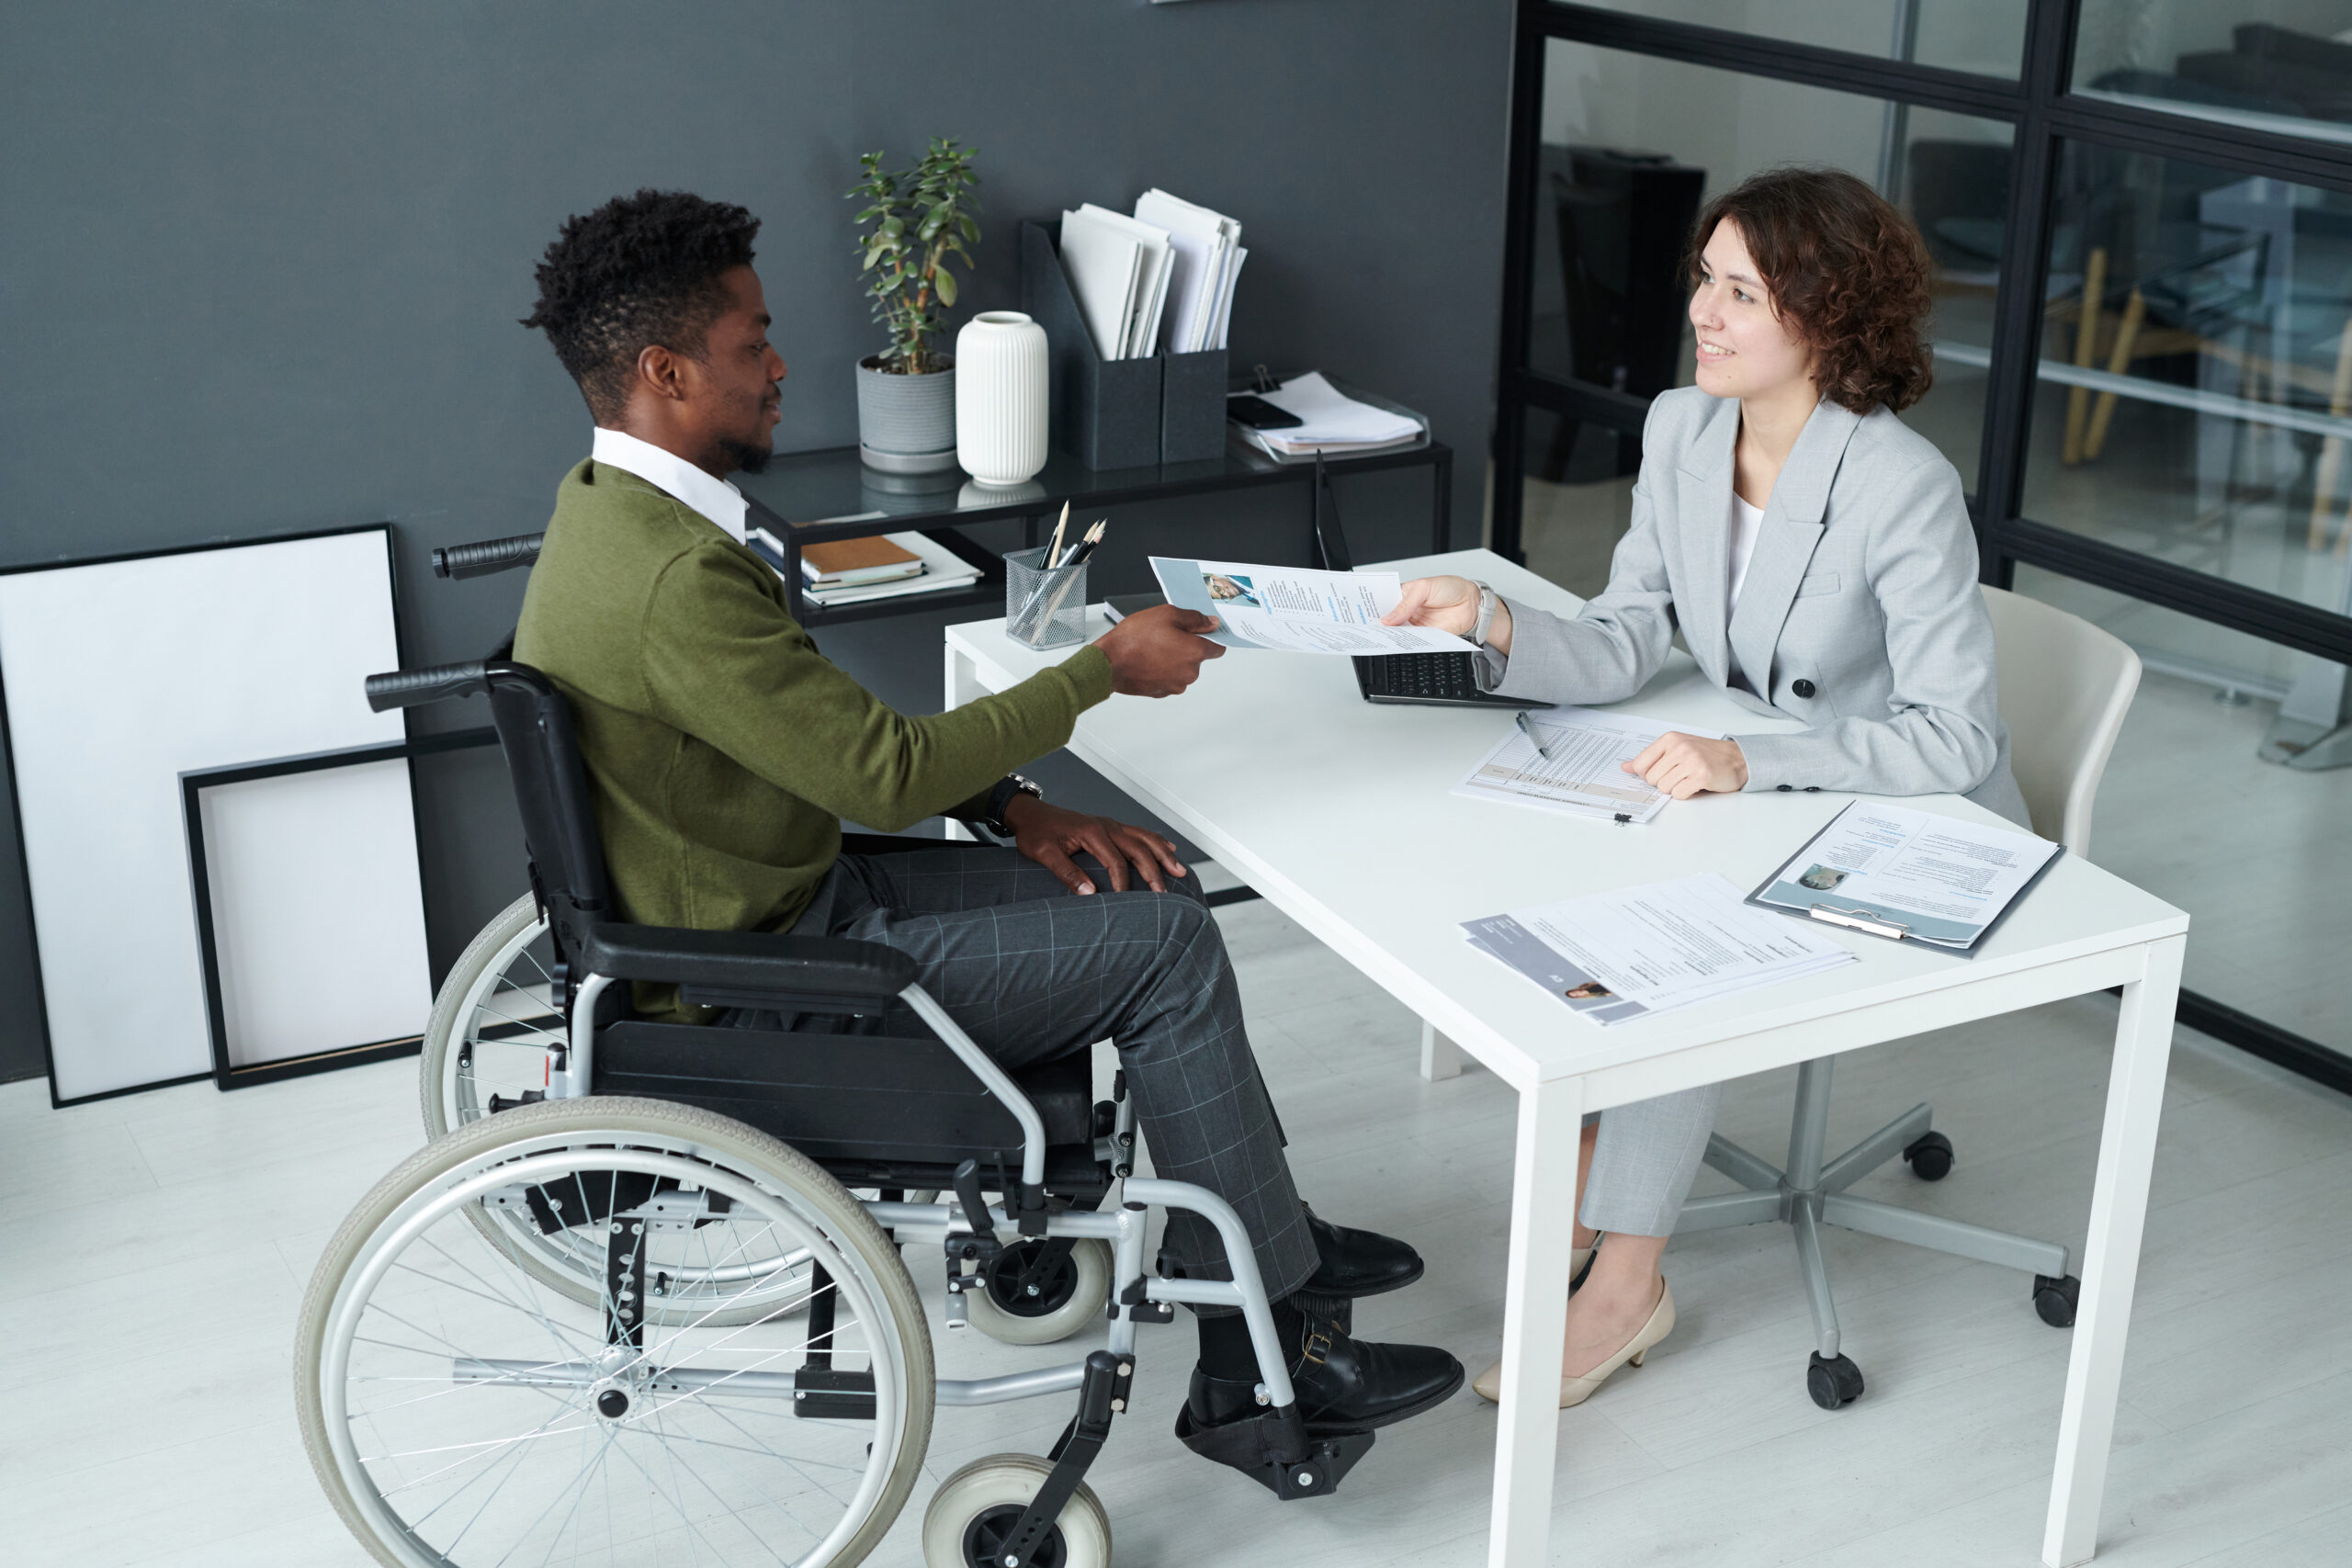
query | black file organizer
(1116,414)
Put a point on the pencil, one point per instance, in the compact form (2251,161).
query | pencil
(1055,549)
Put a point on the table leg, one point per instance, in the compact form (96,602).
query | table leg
(963,686)
(2127,1149)
(1535,1307)
(1441,1057)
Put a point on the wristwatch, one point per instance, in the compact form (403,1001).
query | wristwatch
(1487,602)
(1001,796)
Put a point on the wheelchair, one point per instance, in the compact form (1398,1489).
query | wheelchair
(642,1298)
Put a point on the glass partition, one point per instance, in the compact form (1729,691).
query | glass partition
(1632,147)
(1985,36)
(2283,65)
(2195,385)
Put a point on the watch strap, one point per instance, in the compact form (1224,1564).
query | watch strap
(1487,602)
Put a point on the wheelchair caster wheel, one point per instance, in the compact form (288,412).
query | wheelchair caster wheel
(979,1506)
(1832,1384)
(2055,1298)
(1051,1303)
(1930,1157)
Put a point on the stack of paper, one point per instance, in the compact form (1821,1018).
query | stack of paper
(942,568)
(1641,951)
(1329,421)
(1208,261)
(1119,269)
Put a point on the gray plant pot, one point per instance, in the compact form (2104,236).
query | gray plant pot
(906,424)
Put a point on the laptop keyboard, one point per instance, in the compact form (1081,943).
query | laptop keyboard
(1443,677)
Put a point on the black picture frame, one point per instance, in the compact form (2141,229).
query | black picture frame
(193,784)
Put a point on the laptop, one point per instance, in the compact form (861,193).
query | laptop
(1434,680)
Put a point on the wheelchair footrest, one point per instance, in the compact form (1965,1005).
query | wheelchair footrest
(1274,1450)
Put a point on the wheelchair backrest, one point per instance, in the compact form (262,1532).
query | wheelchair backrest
(552,793)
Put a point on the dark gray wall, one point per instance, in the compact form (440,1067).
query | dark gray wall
(261,261)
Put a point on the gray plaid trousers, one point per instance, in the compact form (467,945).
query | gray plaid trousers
(1033,972)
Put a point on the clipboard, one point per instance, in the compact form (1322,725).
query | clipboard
(1877,923)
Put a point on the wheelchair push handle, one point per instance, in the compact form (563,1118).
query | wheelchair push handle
(414,688)
(484,556)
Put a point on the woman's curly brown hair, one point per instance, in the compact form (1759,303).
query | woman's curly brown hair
(1848,273)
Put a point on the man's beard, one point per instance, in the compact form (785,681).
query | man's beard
(744,455)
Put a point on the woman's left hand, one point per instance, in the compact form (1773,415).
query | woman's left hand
(1684,765)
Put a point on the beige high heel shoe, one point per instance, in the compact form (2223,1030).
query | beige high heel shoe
(1577,1390)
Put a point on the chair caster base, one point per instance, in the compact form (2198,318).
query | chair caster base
(1834,1384)
(2056,1300)
(1273,1450)
(1930,1154)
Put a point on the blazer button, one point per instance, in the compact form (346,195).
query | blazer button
(1801,687)
(1782,789)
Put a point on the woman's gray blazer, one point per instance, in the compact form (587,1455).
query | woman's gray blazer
(1859,615)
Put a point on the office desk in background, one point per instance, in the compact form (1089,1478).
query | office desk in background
(1339,813)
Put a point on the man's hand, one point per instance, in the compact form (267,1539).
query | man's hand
(1450,605)
(1157,652)
(1684,765)
(1051,836)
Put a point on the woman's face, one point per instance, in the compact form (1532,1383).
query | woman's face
(1744,351)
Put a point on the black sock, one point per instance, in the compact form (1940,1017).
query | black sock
(1226,1351)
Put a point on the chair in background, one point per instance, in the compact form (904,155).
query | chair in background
(2062,724)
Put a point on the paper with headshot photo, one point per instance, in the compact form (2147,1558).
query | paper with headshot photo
(1658,947)
(1939,879)
(1295,609)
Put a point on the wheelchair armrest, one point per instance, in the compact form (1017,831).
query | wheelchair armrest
(805,973)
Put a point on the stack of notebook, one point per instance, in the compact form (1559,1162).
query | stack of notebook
(850,571)
(1329,421)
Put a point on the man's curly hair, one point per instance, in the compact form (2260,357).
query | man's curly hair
(640,270)
(1848,272)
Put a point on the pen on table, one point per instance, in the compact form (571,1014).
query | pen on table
(1527,727)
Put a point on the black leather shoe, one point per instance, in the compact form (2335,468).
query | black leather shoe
(1353,1263)
(1343,1384)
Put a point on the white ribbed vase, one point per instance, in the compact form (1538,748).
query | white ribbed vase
(1000,396)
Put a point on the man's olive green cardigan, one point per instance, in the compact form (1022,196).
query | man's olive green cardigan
(724,750)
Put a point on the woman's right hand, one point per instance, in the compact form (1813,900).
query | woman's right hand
(1450,605)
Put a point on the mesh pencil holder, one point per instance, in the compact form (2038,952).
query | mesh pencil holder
(1042,608)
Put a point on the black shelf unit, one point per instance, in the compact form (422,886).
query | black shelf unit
(842,498)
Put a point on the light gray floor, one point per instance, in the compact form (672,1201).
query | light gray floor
(156,1247)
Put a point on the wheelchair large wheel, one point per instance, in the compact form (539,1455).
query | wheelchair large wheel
(458,1413)
(494,1022)
(493,1025)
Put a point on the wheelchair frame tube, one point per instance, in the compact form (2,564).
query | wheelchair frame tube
(997,1082)
(1247,1290)
(579,1059)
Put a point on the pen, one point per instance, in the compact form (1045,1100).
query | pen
(1527,727)
(1054,551)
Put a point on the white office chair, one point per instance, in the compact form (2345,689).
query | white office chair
(2065,688)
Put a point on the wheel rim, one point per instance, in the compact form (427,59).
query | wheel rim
(474,1387)
(503,1025)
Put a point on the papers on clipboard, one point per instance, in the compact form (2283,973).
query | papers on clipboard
(1296,610)
(1899,873)
(1576,770)
(1641,951)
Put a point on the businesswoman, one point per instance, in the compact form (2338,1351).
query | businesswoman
(1817,556)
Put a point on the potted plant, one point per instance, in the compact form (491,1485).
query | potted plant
(914,220)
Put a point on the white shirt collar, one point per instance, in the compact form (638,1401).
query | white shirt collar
(717,500)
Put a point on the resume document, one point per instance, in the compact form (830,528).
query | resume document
(1296,610)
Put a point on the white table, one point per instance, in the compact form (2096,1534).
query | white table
(1327,804)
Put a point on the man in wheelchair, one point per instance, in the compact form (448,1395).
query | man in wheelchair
(724,750)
